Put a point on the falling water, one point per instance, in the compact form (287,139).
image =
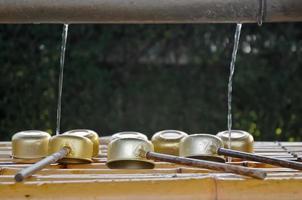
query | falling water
(62,59)
(232,69)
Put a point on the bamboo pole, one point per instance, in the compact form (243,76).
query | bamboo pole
(148,11)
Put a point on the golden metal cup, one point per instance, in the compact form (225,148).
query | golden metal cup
(123,153)
(201,146)
(167,141)
(240,140)
(91,135)
(30,145)
(81,148)
(129,134)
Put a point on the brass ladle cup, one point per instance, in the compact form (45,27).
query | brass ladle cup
(240,140)
(91,135)
(122,154)
(105,140)
(30,146)
(167,141)
(213,145)
(129,134)
(63,149)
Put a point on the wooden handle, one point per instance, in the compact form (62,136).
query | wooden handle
(262,159)
(260,174)
(28,171)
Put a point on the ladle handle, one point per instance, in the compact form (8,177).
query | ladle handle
(262,159)
(53,158)
(260,174)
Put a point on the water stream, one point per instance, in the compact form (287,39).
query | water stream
(62,59)
(230,88)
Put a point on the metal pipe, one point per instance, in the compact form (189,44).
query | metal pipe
(255,173)
(148,11)
(53,158)
(262,159)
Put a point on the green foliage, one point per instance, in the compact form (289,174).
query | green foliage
(152,77)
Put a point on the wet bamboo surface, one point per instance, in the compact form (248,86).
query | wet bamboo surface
(165,181)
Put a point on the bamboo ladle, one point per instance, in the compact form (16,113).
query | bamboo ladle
(64,149)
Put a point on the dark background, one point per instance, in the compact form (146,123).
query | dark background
(152,77)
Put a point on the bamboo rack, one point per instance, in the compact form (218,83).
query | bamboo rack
(165,181)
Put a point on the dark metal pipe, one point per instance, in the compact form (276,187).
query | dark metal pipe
(148,11)
(262,159)
(255,173)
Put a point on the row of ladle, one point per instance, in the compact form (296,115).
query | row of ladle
(133,150)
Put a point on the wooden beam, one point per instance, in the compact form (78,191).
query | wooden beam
(148,11)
